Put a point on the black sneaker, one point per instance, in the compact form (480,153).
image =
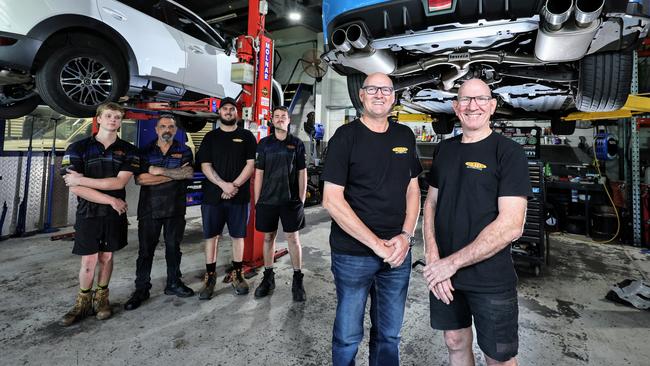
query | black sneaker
(179,289)
(297,289)
(268,284)
(136,299)
(209,281)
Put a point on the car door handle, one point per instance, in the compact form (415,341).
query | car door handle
(114,13)
(196,49)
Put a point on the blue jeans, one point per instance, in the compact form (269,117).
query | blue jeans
(355,277)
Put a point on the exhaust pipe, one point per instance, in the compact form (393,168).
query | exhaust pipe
(556,13)
(354,35)
(587,11)
(339,41)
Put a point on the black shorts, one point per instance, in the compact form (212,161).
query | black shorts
(292,216)
(100,234)
(495,318)
(215,217)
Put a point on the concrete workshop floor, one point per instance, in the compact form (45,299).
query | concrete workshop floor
(564,318)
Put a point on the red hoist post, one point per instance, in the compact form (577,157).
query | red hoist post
(256,49)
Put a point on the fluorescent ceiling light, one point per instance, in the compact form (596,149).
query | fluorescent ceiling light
(294,15)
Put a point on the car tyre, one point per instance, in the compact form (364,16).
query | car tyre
(561,128)
(20,108)
(74,80)
(443,124)
(191,124)
(604,81)
(355,82)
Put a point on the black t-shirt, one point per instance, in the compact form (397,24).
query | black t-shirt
(281,160)
(375,169)
(228,153)
(90,158)
(470,178)
(165,199)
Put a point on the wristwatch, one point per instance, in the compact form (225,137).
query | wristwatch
(409,238)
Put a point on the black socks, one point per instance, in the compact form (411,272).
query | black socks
(211,267)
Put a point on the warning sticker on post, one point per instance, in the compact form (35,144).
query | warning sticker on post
(265,102)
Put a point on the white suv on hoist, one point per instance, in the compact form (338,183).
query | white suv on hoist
(76,54)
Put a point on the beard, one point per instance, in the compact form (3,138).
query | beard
(167,136)
(229,122)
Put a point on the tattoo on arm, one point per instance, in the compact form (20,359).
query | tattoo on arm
(179,173)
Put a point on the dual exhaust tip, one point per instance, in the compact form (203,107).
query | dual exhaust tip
(352,37)
(554,12)
(557,12)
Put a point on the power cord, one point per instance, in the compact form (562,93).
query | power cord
(602,180)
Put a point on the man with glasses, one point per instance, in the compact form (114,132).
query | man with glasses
(475,207)
(280,190)
(371,191)
(227,158)
(166,165)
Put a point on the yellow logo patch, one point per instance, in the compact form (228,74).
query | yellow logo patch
(475,165)
(66,160)
(237,140)
(400,150)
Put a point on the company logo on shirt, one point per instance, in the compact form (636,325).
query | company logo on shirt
(118,152)
(177,155)
(475,165)
(66,160)
(400,150)
(291,147)
(237,140)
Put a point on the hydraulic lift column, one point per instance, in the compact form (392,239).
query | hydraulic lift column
(256,49)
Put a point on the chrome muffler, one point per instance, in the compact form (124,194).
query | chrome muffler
(354,51)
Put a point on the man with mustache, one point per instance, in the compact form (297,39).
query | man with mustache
(280,191)
(166,165)
(227,157)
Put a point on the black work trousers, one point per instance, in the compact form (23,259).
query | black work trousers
(148,235)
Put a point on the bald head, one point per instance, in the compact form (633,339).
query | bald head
(378,78)
(476,86)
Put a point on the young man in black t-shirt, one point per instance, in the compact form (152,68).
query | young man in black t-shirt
(371,191)
(96,169)
(166,166)
(227,158)
(475,207)
(280,189)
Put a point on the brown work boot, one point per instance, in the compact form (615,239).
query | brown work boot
(101,305)
(83,306)
(238,283)
(208,286)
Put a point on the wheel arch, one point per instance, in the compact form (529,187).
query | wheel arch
(56,29)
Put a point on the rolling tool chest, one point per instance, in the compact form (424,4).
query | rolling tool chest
(532,247)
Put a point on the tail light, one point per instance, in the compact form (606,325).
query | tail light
(438,5)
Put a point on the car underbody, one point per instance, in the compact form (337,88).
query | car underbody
(535,63)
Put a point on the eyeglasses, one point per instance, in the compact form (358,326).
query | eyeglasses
(480,100)
(372,90)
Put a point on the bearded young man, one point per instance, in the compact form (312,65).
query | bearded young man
(227,158)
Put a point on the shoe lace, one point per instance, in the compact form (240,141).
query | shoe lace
(238,275)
